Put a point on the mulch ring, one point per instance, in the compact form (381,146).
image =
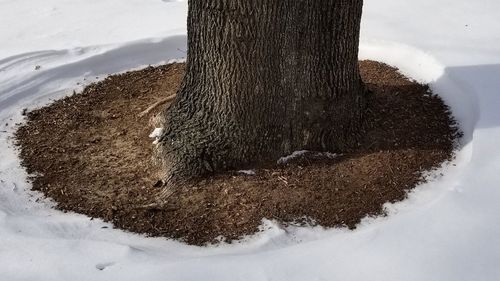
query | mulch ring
(90,153)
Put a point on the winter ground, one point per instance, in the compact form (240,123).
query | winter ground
(449,228)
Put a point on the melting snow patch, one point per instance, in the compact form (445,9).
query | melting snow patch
(247,172)
(156,134)
(292,156)
(297,154)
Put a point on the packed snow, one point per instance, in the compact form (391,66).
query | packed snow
(448,229)
(247,172)
(297,154)
(156,134)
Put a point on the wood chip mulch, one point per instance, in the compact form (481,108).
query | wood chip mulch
(91,153)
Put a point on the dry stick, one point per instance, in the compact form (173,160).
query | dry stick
(156,104)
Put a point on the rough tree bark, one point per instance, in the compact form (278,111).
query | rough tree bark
(264,78)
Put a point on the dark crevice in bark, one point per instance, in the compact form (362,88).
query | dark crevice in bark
(264,79)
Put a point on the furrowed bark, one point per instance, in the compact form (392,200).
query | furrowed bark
(263,79)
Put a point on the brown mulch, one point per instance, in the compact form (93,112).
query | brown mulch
(91,153)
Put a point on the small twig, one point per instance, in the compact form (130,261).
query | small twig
(156,104)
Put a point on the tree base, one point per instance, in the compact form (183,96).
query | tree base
(198,141)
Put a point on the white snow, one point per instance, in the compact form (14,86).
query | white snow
(247,172)
(449,228)
(156,134)
(297,154)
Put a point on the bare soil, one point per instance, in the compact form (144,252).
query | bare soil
(91,153)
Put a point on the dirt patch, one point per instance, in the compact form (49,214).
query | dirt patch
(91,153)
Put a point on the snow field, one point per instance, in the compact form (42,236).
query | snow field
(448,229)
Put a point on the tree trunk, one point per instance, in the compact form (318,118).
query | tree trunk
(264,78)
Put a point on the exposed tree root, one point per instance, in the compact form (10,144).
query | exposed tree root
(155,105)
